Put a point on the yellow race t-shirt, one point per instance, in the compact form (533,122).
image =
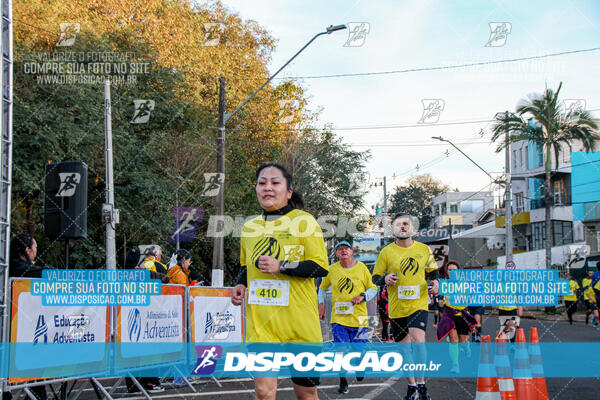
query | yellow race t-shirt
(282,308)
(588,293)
(348,283)
(409,294)
(573,286)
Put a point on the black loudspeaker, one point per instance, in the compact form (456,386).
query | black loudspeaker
(65,200)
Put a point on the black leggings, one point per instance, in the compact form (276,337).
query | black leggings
(385,330)
(571,309)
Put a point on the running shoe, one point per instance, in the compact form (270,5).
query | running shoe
(455,369)
(434,325)
(423,395)
(152,388)
(343,387)
(411,393)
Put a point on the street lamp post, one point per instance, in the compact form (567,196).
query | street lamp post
(217,272)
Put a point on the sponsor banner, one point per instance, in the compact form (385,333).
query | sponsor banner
(213,317)
(163,321)
(35,325)
(337,359)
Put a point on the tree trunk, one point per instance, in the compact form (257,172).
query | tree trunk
(548,199)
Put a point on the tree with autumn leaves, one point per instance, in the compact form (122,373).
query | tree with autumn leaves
(172,151)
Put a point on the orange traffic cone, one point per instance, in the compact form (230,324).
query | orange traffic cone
(505,382)
(487,384)
(537,370)
(522,372)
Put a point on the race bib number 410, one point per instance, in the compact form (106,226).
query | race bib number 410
(269,292)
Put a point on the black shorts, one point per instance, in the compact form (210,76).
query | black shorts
(478,310)
(306,382)
(590,306)
(509,313)
(400,326)
(434,306)
(462,328)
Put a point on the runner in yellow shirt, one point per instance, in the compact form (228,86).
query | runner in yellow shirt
(589,297)
(281,252)
(571,299)
(403,266)
(352,288)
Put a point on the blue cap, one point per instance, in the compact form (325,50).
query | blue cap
(342,243)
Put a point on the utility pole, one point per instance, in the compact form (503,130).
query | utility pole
(111,216)
(217,272)
(384,197)
(507,204)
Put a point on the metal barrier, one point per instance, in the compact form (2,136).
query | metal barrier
(203,313)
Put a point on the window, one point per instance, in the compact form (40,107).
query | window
(538,235)
(526,156)
(540,155)
(471,206)
(563,234)
(514,159)
(521,158)
(443,208)
(519,202)
(453,208)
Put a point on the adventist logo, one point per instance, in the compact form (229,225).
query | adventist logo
(134,325)
(207,359)
(41,330)
(219,325)
(68,183)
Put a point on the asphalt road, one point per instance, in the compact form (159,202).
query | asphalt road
(394,388)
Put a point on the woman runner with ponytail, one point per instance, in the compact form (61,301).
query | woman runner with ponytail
(282,249)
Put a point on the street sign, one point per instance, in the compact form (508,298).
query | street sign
(510,265)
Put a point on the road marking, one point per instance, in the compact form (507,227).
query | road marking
(242,391)
(382,388)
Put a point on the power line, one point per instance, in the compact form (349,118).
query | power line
(444,67)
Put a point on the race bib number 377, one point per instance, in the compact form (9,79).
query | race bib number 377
(269,292)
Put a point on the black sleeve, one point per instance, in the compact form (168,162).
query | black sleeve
(303,269)
(242,278)
(435,274)
(379,280)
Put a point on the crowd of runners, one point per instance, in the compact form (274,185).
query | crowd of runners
(283,252)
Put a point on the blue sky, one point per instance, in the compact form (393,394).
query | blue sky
(416,34)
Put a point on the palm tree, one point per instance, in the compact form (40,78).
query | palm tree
(549,125)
